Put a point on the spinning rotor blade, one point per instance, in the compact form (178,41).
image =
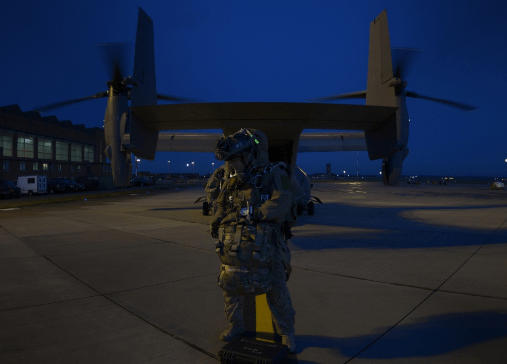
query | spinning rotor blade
(114,56)
(459,105)
(349,95)
(68,102)
(173,98)
(403,60)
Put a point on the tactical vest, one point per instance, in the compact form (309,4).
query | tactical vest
(248,249)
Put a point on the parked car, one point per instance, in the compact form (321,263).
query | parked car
(9,189)
(74,185)
(58,185)
(70,184)
(90,183)
(80,185)
(140,181)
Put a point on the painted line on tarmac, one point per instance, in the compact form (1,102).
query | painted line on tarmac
(10,209)
(263,320)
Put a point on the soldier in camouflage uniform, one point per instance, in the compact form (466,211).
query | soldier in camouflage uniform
(253,210)
(213,187)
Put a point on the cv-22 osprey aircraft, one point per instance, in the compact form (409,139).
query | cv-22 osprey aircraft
(382,123)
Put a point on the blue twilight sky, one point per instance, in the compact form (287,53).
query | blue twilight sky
(265,50)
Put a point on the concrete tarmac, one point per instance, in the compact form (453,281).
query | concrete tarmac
(409,274)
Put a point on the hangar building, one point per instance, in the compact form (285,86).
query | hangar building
(34,144)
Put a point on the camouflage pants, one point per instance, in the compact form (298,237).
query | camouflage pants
(279,303)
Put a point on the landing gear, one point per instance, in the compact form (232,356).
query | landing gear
(309,207)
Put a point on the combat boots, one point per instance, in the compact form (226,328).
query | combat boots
(234,314)
(288,340)
(232,332)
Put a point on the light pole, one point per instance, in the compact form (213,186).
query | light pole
(168,167)
(213,166)
(192,167)
(137,161)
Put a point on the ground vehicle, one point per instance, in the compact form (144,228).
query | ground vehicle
(497,185)
(58,185)
(80,185)
(90,183)
(70,185)
(323,176)
(413,180)
(9,189)
(140,181)
(74,186)
(32,184)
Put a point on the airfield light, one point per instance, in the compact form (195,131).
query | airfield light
(213,166)
(168,166)
(188,164)
(137,161)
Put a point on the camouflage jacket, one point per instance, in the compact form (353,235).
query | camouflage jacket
(266,190)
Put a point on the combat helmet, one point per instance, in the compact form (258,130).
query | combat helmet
(244,142)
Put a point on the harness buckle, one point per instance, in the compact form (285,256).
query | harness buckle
(257,181)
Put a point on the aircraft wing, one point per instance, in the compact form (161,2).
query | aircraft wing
(308,142)
(278,119)
(332,142)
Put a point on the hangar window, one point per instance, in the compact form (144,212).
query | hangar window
(45,150)
(45,166)
(6,143)
(76,153)
(62,151)
(25,147)
(88,153)
(5,165)
(35,166)
(22,166)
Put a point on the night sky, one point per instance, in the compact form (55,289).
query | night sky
(290,51)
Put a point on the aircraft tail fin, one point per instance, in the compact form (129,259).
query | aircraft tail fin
(143,141)
(380,64)
(388,141)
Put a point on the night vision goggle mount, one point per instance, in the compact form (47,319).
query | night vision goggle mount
(230,147)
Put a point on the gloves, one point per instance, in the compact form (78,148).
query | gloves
(214,229)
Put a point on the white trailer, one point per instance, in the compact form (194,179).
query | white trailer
(33,184)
